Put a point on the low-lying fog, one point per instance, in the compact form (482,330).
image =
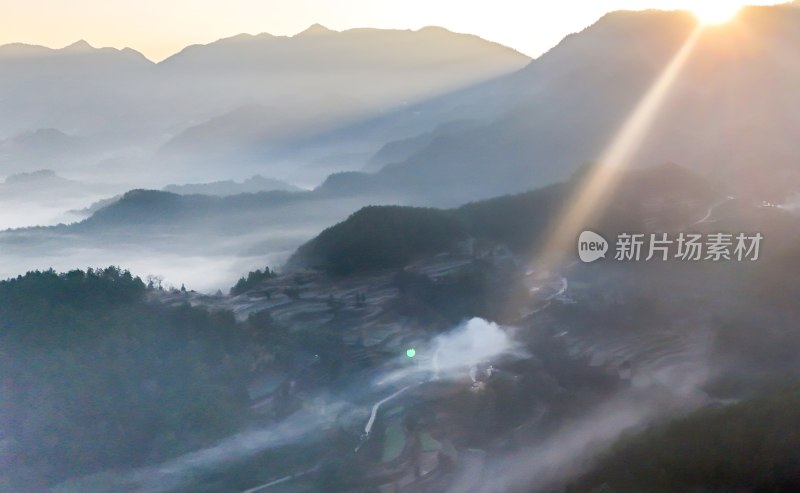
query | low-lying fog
(204,273)
(213,263)
(558,456)
(45,198)
(203,256)
(204,253)
(464,346)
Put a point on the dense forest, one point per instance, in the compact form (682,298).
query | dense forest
(388,237)
(95,376)
(380,237)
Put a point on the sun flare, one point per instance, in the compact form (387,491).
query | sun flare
(717,11)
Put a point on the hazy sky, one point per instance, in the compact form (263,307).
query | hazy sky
(159,28)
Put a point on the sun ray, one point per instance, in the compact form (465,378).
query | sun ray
(594,193)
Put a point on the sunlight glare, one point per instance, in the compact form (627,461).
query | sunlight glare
(712,12)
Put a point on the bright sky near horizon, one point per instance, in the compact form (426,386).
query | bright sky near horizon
(159,28)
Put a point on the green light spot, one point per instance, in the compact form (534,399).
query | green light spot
(411,352)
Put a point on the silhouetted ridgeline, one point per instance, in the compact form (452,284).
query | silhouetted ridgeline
(527,129)
(569,104)
(254,184)
(382,237)
(157,207)
(269,90)
(389,237)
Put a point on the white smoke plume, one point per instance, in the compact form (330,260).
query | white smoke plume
(452,354)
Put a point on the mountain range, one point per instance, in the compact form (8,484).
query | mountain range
(443,117)
(426,321)
(212,106)
(728,113)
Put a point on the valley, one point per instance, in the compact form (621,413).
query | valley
(402,258)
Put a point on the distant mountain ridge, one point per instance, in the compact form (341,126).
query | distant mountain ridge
(253,184)
(728,114)
(388,237)
(243,101)
(80,47)
(341,49)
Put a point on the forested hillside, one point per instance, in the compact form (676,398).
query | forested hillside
(96,377)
